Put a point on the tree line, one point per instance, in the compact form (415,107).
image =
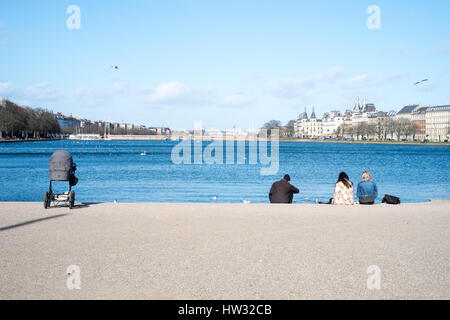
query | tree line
(94,128)
(285,131)
(17,122)
(386,128)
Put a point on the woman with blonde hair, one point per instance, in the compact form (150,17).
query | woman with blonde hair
(343,191)
(367,190)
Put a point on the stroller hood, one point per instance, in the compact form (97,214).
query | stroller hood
(60,166)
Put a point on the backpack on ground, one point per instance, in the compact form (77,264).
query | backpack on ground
(390,199)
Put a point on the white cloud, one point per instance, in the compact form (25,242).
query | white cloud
(329,75)
(360,81)
(7,88)
(370,80)
(177,93)
(402,48)
(291,88)
(444,48)
(236,101)
(118,89)
(310,85)
(41,92)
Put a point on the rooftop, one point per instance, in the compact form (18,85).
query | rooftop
(408,109)
(420,110)
(439,108)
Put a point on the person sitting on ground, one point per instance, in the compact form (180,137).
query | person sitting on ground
(343,191)
(367,190)
(282,191)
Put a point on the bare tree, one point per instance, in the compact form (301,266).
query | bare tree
(404,127)
(381,130)
(290,130)
(272,124)
(371,130)
(361,130)
(20,122)
(350,130)
(340,131)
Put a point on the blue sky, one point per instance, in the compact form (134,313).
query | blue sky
(224,63)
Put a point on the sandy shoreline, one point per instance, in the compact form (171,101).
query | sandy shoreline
(225,251)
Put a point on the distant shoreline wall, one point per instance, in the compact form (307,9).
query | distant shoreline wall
(177,138)
(137,137)
(28,140)
(396,143)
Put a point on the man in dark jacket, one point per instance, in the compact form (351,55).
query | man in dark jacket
(282,191)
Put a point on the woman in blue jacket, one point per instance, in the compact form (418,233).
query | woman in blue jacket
(367,190)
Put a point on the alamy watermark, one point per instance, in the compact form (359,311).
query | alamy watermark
(191,151)
(374,279)
(73,277)
(374,20)
(73,22)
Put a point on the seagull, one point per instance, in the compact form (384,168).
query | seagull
(115,67)
(418,82)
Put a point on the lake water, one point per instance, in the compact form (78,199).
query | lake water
(116,170)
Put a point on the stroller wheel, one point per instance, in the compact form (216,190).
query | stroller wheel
(46,200)
(71,199)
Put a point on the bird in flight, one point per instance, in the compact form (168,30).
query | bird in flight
(115,67)
(418,82)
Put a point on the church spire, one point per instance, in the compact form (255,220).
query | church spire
(357,106)
(304,115)
(313,114)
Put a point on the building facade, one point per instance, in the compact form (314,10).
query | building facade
(68,122)
(364,121)
(308,127)
(332,124)
(406,111)
(437,123)
(418,120)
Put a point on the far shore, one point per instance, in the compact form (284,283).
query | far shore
(29,140)
(407,143)
(209,139)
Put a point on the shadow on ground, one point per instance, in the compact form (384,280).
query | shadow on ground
(31,222)
(22,224)
(76,206)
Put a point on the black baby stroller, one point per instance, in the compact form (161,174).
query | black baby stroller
(62,168)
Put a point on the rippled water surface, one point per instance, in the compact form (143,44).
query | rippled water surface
(116,170)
